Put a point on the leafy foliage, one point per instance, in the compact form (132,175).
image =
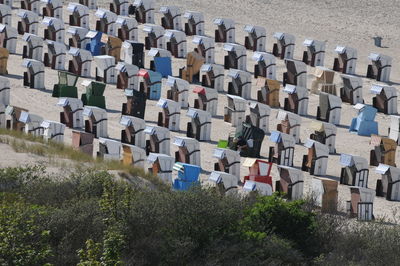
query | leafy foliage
(89,218)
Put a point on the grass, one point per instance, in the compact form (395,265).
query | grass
(27,143)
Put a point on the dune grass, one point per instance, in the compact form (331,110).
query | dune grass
(27,143)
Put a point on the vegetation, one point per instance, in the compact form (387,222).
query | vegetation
(90,218)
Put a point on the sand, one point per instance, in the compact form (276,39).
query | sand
(351,23)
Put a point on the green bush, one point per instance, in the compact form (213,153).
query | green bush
(23,241)
(89,218)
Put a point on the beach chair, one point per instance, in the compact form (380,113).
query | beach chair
(354,170)
(171,18)
(133,155)
(82,141)
(13,113)
(269,92)
(4,99)
(289,124)
(188,176)
(191,72)
(247,140)
(127,77)
(55,56)
(284,46)
(135,103)
(205,46)
(71,116)
(133,53)
(385,99)
(29,22)
(384,151)
(329,108)
(256,38)
(361,204)
(133,132)
(34,76)
(144,11)
(297,100)
(5,14)
(236,57)
(224,183)
(389,184)
(291,182)
(155,36)
(95,45)
(188,150)
(199,126)
(296,73)
(54,30)
(234,113)
(8,38)
(170,115)
(127,29)
(95,121)
(31,124)
(4,54)
(91,4)
(194,24)
(212,76)
(323,81)
(179,90)
(161,61)
(240,83)
(109,149)
(324,133)
(78,37)
(106,22)
(79,15)
(176,43)
(265,66)
(259,116)
(31,5)
(316,160)
(159,140)
(207,100)
(282,152)
(113,47)
(7,2)
(346,60)
(364,124)
(351,92)
(150,83)
(105,69)
(262,189)
(120,7)
(225,31)
(66,86)
(315,53)
(81,62)
(259,171)
(53,131)
(380,67)
(52,8)
(33,48)
(228,161)
(325,194)
(94,94)
(161,166)
(394,128)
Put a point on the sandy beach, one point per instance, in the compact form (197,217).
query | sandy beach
(350,23)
